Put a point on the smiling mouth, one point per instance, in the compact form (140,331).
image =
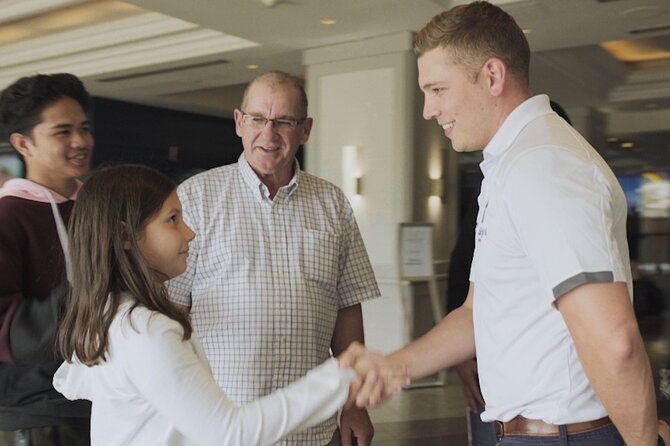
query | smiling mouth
(82,156)
(448,125)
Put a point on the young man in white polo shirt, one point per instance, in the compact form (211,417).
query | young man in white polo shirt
(560,356)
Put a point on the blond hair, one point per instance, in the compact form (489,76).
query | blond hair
(474,33)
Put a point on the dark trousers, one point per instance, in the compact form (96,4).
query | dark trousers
(480,433)
(46,436)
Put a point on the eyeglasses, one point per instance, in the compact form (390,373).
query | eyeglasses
(281,124)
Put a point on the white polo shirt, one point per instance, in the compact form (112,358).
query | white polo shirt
(552,217)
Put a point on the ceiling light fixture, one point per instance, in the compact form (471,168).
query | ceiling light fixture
(328,21)
(270,3)
(627,145)
(252,66)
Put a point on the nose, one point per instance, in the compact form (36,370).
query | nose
(81,139)
(428,109)
(188,233)
(269,131)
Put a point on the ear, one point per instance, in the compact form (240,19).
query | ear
(237,115)
(495,72)
(22,143)
(306,130)
(124,236)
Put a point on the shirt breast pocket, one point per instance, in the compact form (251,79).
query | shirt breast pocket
(320,258)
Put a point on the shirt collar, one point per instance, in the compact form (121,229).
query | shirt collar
(259,189)
(521,116)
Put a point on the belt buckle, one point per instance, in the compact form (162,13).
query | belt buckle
(500,428)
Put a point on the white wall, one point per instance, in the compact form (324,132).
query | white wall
(365,94)
(360,97)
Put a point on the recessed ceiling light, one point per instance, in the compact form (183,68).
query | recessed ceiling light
(252,66)
(328,21)
(636,50)
(65,19)
(627,145)
(527,31)
(612,139)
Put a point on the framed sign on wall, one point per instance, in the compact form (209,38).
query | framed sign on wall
(416,251)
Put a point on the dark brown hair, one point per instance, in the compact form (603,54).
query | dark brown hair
(113,206)
(474,33)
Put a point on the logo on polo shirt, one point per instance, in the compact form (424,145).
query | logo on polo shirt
(480,229)
(481,232)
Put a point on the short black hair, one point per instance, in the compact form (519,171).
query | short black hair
(22,103)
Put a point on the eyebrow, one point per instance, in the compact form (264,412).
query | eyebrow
(61,126)
(429,85)
(67,126)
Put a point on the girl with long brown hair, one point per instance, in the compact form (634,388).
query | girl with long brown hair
(132,352)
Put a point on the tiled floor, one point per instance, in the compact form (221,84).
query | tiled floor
(436,415)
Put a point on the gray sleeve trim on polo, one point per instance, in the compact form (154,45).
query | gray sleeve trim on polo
(582,279)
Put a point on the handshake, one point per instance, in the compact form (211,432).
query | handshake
(378,378)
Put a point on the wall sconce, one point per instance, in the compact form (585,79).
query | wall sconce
(352,176)
(437,187)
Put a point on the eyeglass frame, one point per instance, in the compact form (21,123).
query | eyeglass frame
(292,122)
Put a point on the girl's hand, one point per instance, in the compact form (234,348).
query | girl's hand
(379,377)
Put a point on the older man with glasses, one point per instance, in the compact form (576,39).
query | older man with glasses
(278,271)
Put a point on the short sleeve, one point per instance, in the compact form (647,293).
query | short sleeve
(356,282)
(561,207)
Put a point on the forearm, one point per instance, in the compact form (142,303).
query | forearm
(624,384)
(348,328)
(306,402)
(603,327)
(196,405)
(449,343)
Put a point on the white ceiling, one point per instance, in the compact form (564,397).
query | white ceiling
(192,54)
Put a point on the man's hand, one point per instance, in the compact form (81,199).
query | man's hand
(467,373)
(663,431)
(355,427)
(379,377)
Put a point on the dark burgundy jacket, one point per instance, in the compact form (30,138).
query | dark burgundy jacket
(32,292)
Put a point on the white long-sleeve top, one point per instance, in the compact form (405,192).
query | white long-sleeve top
(156,389)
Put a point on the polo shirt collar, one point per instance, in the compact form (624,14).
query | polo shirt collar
(256,185)
(527,111)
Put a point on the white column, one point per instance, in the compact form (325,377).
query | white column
(365,94)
